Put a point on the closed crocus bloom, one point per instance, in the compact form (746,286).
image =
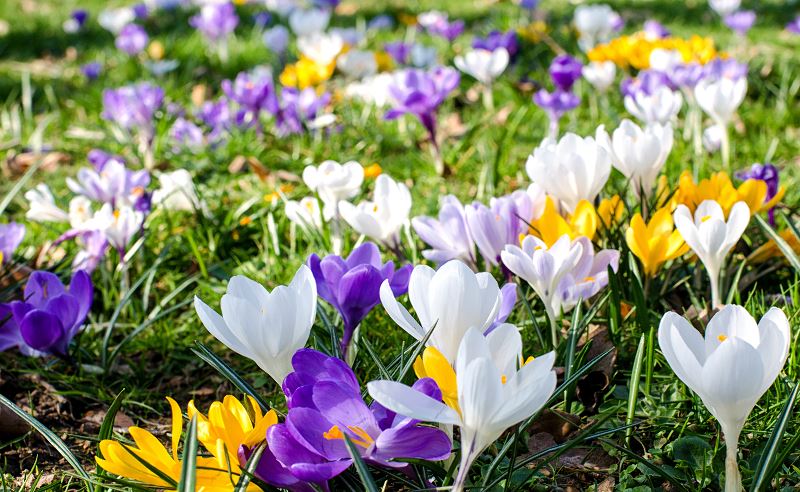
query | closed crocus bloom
(550,225)
(382,218)
(639,154)
(572,169)
(308,22)
(267,327)
(729,368)
(661,106)
(321,48)
(595,24)
(42,206)
(305,213)
(11,235)
(132,39)
(711,237)
(357,64)
(484,65)
(334,182)
(449,236)
(449,301)
(490,400)
(724,7)
(119,225)
(589,276)
(543,268)
(176,192)
(600,74)
(656,241)
(720,97)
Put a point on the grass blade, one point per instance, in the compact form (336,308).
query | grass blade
(188,479)
(787,250)
(223,368)
(250,468)
(107,427)
(763,469)
(675,481)
(50,437)
(633,385)
(361,467)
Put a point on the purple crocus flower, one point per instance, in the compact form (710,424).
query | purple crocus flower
(741,21)
(91,70)
(261,19)
(216,21)
(728,68)
(564,71)
(49,317)
(556,104)
(324,404)
(80,16)
(647,82)
(253,92)
(115,184)
(767,173)
(492,228)
(186,134)
(298,108)
(217,116)
(277,39)
(420,93)
(140,11)
(655,30)
(99,158)
(399,51)
(498,39)
(685,76)
(11,235)
(94,246)
(448,235)
(132,107)
(446,29)
(794,26)
(353,285)
(508,298)
(132,39)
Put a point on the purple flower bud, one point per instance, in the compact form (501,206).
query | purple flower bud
(276,39)
(655,30)
(564,71)
(91,70)
(399,51)
(767,173)
(133,106)
(11,235)
(794,25)
(132,39)
(80,16)
(141,11)
(740,22)
(215,20)
(497,39)
(186,134)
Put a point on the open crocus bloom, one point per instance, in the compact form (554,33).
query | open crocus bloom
(730,368)
(334,182)
(655,242)
(267,327)
(382,218)
(710,237)
(492,394)
(484,65)
(449,301)
(660,106)
(449,236)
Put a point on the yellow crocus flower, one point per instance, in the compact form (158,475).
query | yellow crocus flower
(306,73)
(610,211)
(720,188)
(771,250)
(656,242)
(551,225)
(373,171)
(533,32)
(227,427)
(432,364)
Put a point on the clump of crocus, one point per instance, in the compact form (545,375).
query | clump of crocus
(216,20)
(564,72)
(11,235)
(420,93)
(438,24)
(48,317)
(132,108)
(352,285)
(729,367)
(324,399)
(254,93)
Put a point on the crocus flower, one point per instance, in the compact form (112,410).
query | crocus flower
(421,93)
(449,301)
(654,242)
(11,235)
(119,225)
(93,247)
(352,285)
(720,94)
(740,21)
(176,192)
(383,217)
(91,70)
(595,24)
(496,40)
(266,327)
(299,109)
(334,182)
(438,24)
(571,169)
(325,405)
(564,71)
(308,22)
(114,184)
(556,104)
(711,237)
(42,205)
(491,228)
(216,20)
(724,7)
(448,236)
(253,92)
(276,39)
(399,51)
(485,66)
(228,427)
(321,48)
(646,81)
(492,396)
(113,20)
(654,30)
(49,317)
(423,56)
(132,39)
(639,154)
(600,74)
(305,213)
(186,135)
(589,276)
(729,367)
(794,26)
(76,21)
(768,174)
(133,108)
(357,64)
(659,106)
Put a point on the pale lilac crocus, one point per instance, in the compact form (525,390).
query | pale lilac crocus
(186,135)
(132,39)
(556,104)
(253,93)
(741,21)
(654,30)
(11,236)
(114,184)
(91,70)
(399,51)
(767,173)
(794,26)
(448,236)
(299,109)
(133,108)
(216,21)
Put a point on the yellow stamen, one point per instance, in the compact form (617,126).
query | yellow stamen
(336,433)
(245,220)
(374,208)
(588,279)
(705,218)
(722,338)
(503,379)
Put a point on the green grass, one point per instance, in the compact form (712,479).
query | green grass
(145,344)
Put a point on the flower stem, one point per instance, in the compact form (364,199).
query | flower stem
(551,315)
(733,479)
(467,451)
(715,299)
(438,161)
(726,147)
(488,98)
(553,127)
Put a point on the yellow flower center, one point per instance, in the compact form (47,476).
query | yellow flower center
(375,208)
(705,218)
(722,338)
(336,433)
(588,279)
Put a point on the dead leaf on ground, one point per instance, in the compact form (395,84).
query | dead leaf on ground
(17,164)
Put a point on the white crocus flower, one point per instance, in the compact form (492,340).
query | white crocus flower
(483,65)
(384,216)
(662,106)
(490,400)
(449,301)
(320,47)
(729,369)
(543,268)
(118,225)
(305,213)
(176,192)
(710,237)
(721,97)
(423,56)
(267,327)
(372,90)
(80,213)
(600,74)
(595,24)
(113,20)
(42,206)
(308,22)
(724,7)
(571,170)
(357,64)
(639,154)
(334,182)
(665,60)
